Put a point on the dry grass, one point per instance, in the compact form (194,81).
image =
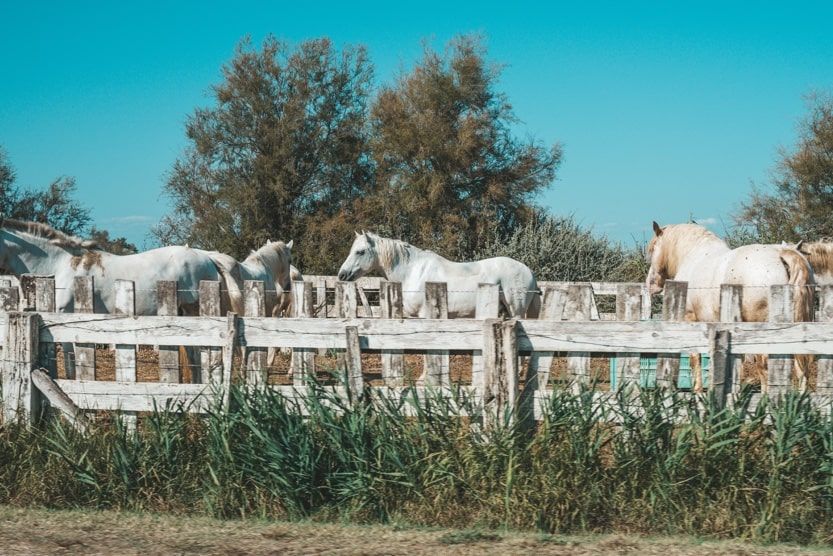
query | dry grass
(36,531)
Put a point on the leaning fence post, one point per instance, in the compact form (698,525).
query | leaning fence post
(84,353)
(436,361)
(673,310)
(166,306)
(393,361)
(254,296)
(779,366)
(824,378)
(20,350)
(303,359)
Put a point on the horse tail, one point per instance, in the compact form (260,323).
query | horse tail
(800,275)
(232,278)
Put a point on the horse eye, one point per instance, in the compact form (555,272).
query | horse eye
(360,252)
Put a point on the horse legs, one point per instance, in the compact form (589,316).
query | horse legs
(696,372)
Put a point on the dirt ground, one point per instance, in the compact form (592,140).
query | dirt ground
(30,531)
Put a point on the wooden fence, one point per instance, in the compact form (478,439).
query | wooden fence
(511,359)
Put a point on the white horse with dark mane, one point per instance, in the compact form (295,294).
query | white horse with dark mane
(35,248)
(401,262)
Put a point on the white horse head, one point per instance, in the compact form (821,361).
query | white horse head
(657,257)
(363,258)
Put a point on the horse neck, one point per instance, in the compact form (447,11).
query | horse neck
(33,255)
(397,268)
(255,268)
(685,250)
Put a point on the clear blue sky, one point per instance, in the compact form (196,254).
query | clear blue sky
(664,110)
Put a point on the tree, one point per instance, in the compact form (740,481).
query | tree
(282,150)
(798,205)
(449,171)
(117,246)
(53,205)
(558,248)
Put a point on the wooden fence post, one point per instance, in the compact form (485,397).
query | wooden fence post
(166,306)
(500,370)
(553,301)
(781,309)
(27,291)
(437,362)
(321,299)
(628,308)
(9,298)
(725,367)
(824,378)
(20,351)
(673,309)
(45,303)
(125,304)
(254,296)
(393,361)
(84,353)
(211,358)
(345,308)
(488,307)
(353,358)
(303,359)
(578,307)
(232,328)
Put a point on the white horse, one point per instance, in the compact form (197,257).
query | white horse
(35,248)
(270,264)
(691,253)
(401,262)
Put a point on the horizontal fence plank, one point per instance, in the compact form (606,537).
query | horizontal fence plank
(121,329)
(136,396)
(613,336)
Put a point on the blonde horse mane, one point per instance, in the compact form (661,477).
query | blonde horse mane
(390,252)
(820,255)
(273,256)
(677,241)
(45,231)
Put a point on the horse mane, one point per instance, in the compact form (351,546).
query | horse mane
(270,255)
(45,231)
(390,251)
(820,256)
(678,240)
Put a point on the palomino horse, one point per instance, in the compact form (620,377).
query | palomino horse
(35,248)
(691,253)
(402,262)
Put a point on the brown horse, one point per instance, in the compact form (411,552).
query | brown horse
(691,253)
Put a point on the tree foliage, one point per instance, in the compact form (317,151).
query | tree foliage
(294,147)
(283,148)
(54,205)
(449,171)
(117,246)
(798,204)
(559,248)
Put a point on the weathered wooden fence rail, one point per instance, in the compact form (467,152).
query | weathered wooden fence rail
(511,360)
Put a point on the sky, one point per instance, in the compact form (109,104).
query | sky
(665,110)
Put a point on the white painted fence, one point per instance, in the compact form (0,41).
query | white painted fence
(567,325)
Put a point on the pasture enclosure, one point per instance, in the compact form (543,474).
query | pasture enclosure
(511,359)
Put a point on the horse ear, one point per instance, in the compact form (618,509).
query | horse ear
(657,229)
(269,242)
(357,234)
(289,245)
(799,245)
